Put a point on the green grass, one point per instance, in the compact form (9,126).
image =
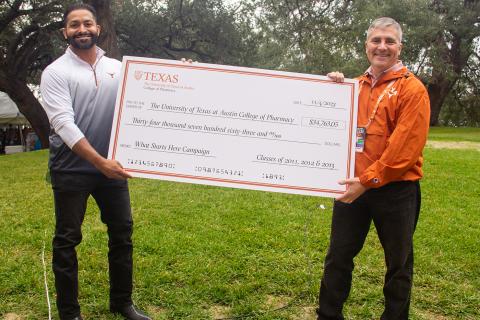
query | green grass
(454,134)
(199,249)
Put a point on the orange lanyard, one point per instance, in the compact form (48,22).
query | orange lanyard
(374,112)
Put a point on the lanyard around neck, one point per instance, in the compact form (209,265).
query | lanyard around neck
(374,112)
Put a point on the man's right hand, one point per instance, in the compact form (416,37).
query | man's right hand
(355,190)
(112,169)
(336,76)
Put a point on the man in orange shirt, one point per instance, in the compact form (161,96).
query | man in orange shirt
(393,119)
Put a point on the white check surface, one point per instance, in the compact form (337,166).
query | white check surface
(234,127)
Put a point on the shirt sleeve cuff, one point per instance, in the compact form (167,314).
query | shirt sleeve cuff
(70,134)
(370,182)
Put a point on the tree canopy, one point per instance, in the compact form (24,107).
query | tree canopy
(27,45)
(441,41)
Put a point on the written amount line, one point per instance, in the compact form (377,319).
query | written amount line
(225,134)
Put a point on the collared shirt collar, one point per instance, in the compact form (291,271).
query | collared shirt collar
(100,53)
(396,67)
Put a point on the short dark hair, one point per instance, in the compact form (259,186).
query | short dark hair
(78,6)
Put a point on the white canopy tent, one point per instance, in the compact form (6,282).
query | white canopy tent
(11,118)
(9,113)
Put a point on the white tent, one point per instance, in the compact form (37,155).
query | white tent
(9,113)
(10,116)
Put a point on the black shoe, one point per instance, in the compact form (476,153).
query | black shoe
(77,318)
(130,313)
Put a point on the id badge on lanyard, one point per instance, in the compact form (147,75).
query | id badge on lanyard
(361,135)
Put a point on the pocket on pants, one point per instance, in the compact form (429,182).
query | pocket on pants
(68,182)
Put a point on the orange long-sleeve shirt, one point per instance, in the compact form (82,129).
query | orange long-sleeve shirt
(396,136)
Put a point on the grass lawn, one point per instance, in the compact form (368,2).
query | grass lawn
(454,134)
(206,252)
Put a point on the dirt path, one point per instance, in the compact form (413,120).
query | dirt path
(454,145)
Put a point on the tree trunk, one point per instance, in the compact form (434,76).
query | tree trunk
(108,35)
(455,55)
(438,90)
(28,106)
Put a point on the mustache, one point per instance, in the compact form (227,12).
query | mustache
(75,41)
(83,34)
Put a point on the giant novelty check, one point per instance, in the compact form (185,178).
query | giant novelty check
(234,127)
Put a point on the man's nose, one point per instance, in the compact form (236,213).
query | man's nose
(382,45)
(82,28)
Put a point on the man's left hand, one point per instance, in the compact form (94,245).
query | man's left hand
(355,190)
(336,76)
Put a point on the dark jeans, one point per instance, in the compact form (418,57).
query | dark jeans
(71,192)
(394,209)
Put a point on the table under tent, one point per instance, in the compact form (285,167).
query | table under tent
(15,132)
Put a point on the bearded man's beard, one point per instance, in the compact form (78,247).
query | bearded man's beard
(75,41)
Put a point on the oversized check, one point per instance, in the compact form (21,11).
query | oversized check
(234,127)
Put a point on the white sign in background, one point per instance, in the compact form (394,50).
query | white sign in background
(234,127)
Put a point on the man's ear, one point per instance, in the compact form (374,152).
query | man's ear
(99,28)
(64,32)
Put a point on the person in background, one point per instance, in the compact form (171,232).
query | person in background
(11,136)
(2,141)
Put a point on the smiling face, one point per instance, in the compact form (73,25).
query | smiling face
(81,29)
(383,48)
